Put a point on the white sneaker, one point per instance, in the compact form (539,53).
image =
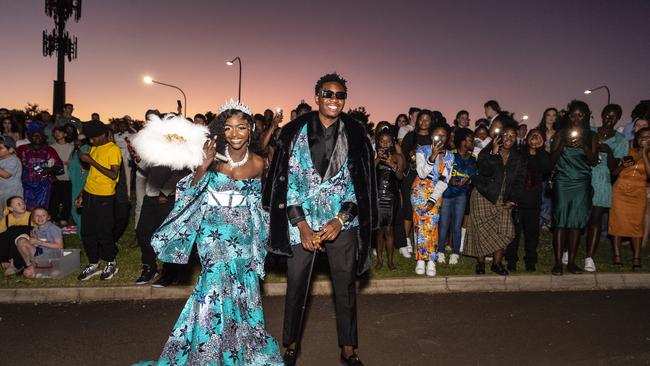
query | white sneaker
(419,267)
(409,245)
(404,252)
(374,252)
(441,258)
(590,266)
(453,259)
(565,258)
(431,268)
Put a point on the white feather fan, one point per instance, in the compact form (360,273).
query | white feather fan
(173,141)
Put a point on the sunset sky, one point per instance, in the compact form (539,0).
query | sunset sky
(444,55)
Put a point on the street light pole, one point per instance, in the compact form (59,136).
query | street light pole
(230,63)
(589,91)
(149,80)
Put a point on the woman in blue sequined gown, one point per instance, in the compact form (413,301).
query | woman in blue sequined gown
(219,208)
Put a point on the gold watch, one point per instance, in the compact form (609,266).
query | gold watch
(342,217)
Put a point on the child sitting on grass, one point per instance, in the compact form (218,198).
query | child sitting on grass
(16,221)
(44,237)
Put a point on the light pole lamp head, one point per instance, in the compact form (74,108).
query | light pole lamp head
(525,117)
(147,79)
(229,63)
(588,91)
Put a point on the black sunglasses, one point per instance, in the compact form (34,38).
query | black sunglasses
(330,94)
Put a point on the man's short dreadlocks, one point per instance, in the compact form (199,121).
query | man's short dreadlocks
(328,78)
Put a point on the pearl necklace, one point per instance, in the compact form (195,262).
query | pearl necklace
(234,164)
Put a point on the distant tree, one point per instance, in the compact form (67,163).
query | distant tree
(33,109)
(361,115)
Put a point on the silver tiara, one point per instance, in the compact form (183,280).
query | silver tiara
(233,104)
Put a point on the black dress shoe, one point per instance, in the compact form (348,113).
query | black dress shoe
(557,270)
(480,268)
(499,269)
(572,268)
(353,360)
(165,280)
(290,356)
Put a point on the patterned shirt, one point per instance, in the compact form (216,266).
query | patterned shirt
(321,200)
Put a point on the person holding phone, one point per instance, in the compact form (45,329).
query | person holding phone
(574,153)
(527,215)
(389,165)
(455,198)
(499,186)
(434,164)
(547,127)
(628,206)
(612,146)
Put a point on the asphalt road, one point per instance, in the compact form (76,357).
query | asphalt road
(570,328)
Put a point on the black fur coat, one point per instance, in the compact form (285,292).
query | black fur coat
(362,170)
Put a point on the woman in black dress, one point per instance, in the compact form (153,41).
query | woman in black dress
(389,165)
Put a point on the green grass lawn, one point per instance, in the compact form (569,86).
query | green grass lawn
(129,265)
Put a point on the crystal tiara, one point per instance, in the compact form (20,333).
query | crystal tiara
(235,104)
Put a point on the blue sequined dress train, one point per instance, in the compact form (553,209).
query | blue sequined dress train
(222,322)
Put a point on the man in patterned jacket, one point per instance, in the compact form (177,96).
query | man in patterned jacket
(321,194)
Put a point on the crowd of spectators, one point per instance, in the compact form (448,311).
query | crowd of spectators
(445,190)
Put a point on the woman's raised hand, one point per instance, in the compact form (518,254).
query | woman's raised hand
(209,152)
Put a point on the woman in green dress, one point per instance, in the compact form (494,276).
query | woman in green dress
(76,171)
(574,152)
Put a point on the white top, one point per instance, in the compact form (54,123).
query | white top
(65,151)
(403,131)
(425,167)
(120,141)
(480,145)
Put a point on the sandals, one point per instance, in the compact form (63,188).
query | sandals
(636,264)
(617,260)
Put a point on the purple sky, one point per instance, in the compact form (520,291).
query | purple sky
(446,56)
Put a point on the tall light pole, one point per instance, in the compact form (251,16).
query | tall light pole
(589,91)
(150,80)
(230,63)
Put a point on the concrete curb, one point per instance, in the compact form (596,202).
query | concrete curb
(583,282)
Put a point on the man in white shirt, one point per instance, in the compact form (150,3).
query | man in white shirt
(122,133)
(492,110)
(413,116)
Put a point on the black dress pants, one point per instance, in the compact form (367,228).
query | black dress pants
(528,222)
(122,214)
(61,200)
(152,215)
(341,255)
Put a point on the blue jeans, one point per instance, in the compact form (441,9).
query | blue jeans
(451,214)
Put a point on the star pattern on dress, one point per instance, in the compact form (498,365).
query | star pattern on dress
(222,322)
